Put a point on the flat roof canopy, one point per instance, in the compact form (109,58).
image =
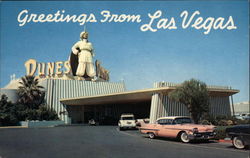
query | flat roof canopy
(134,96)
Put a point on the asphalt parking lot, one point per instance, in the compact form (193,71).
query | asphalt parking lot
(103,142)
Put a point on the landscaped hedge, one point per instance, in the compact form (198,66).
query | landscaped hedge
(222,123)
(221,132)
(12,113)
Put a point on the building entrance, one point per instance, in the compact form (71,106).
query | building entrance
(108,114)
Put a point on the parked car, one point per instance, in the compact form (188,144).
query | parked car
(180,127)
(127,121)
(141,122)
(240,135)
(245,116)
(238,116)
(92,122)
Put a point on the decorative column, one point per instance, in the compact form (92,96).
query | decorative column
(156,109)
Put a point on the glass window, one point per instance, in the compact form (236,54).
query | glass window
(165,121)
(127,118)
(182,120)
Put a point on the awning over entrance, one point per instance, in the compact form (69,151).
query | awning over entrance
(134,96)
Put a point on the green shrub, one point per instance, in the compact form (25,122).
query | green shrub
(11,114)
(239,122)
(222,123)
(31,114)
(221,132)
(44,113)
(205,122)
(223,120)
(7,112)
(21,112)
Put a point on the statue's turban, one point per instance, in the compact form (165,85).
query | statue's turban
(84,33)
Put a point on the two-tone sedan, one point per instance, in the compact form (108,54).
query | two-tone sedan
(180,127)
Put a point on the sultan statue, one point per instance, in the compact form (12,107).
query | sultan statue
(81,58)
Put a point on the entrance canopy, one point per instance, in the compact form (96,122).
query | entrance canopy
(135,96)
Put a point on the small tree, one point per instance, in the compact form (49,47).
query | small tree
(194,95)
(7,112)
(21,111)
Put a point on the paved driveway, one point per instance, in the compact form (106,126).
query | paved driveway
(103,142)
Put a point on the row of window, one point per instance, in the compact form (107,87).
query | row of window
(174,121)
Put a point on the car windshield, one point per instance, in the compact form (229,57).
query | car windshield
(127,118)
(182,120)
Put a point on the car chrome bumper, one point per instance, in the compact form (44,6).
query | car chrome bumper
(207,135)
(128,126)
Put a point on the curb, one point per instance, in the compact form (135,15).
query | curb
(224,141)
(9,127)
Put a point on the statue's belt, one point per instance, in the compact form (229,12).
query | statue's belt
(86,50)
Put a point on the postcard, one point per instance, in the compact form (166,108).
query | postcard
(102,62)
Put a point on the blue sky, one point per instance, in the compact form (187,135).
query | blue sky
(139,58)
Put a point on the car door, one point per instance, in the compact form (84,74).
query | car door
(245,134)
(166,128)
(158,126)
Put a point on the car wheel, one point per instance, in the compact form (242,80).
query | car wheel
(184,137)
(238,143)
(120,128)
(151,135)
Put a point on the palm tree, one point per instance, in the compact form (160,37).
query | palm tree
(30,93)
